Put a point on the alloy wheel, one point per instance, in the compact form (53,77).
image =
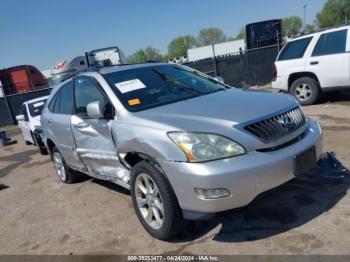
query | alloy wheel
(149,201)
(59,166)
(303,92)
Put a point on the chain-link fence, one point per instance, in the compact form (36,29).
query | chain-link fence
(253,67)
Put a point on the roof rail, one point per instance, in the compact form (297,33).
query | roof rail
(321,30)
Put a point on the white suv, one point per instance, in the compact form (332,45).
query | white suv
(29,122)
(312,64)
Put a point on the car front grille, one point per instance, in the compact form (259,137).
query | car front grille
(279,126)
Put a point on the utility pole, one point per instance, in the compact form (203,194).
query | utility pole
(214,59)
(304,7)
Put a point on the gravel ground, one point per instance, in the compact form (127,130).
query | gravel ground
(40,215)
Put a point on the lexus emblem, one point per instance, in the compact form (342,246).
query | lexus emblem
(286,122)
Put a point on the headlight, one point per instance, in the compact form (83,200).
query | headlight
(200,147)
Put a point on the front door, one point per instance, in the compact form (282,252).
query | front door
(93,137)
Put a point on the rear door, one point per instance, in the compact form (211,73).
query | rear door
(93,137)
(330,59)
(58,125)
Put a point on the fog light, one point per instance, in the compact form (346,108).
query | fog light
(212,193)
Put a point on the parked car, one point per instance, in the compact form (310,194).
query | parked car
(185,144)
(29,122)
(314,64)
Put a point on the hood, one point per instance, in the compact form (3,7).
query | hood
(231,107)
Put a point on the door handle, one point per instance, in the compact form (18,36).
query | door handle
(50,122)
(314,63)
(86,129)
(81,125)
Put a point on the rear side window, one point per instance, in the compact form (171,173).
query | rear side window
(331,43)
(66,99)
(294,49)
(53,103)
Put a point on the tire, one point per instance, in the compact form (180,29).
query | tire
(306,90)
(33,138)
(63,171)
(170,220)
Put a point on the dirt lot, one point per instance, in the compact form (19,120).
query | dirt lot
(40,215)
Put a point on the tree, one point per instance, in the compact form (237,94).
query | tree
(240,35)
(143,55)
(138,57)
(210,36)
(291,25)
(309,28)
(179,45)
(334,13)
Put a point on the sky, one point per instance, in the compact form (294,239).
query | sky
(42,32)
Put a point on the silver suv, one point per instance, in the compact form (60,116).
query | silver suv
(186,145)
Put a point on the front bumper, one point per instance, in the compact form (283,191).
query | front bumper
(245,176)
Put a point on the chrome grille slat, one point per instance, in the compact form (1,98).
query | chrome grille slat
(275,128)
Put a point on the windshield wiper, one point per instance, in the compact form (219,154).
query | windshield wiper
(175,83)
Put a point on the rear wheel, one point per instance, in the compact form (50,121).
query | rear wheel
(155,202)
(63,171)
(306,90)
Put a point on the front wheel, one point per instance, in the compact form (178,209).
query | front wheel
(154,201)
(306,90)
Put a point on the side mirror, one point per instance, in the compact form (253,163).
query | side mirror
(220,79)
(94,110)
(20,118)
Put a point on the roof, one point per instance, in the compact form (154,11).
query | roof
(320,32)
(36,99)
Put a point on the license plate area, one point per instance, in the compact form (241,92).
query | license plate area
(305,161)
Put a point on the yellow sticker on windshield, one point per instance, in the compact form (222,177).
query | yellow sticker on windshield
(134,102)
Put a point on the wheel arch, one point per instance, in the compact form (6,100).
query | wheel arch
(130,159)
(298,75)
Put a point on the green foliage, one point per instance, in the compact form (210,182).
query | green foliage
(291,25)
(309,29)
(143,55)
(210,36)
(179,45)
(334,13)
(240,35)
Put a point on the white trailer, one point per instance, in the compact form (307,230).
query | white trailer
(220,49)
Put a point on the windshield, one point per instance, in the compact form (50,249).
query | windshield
(36,107)
(147,87)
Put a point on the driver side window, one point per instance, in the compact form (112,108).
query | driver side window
(86,91)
